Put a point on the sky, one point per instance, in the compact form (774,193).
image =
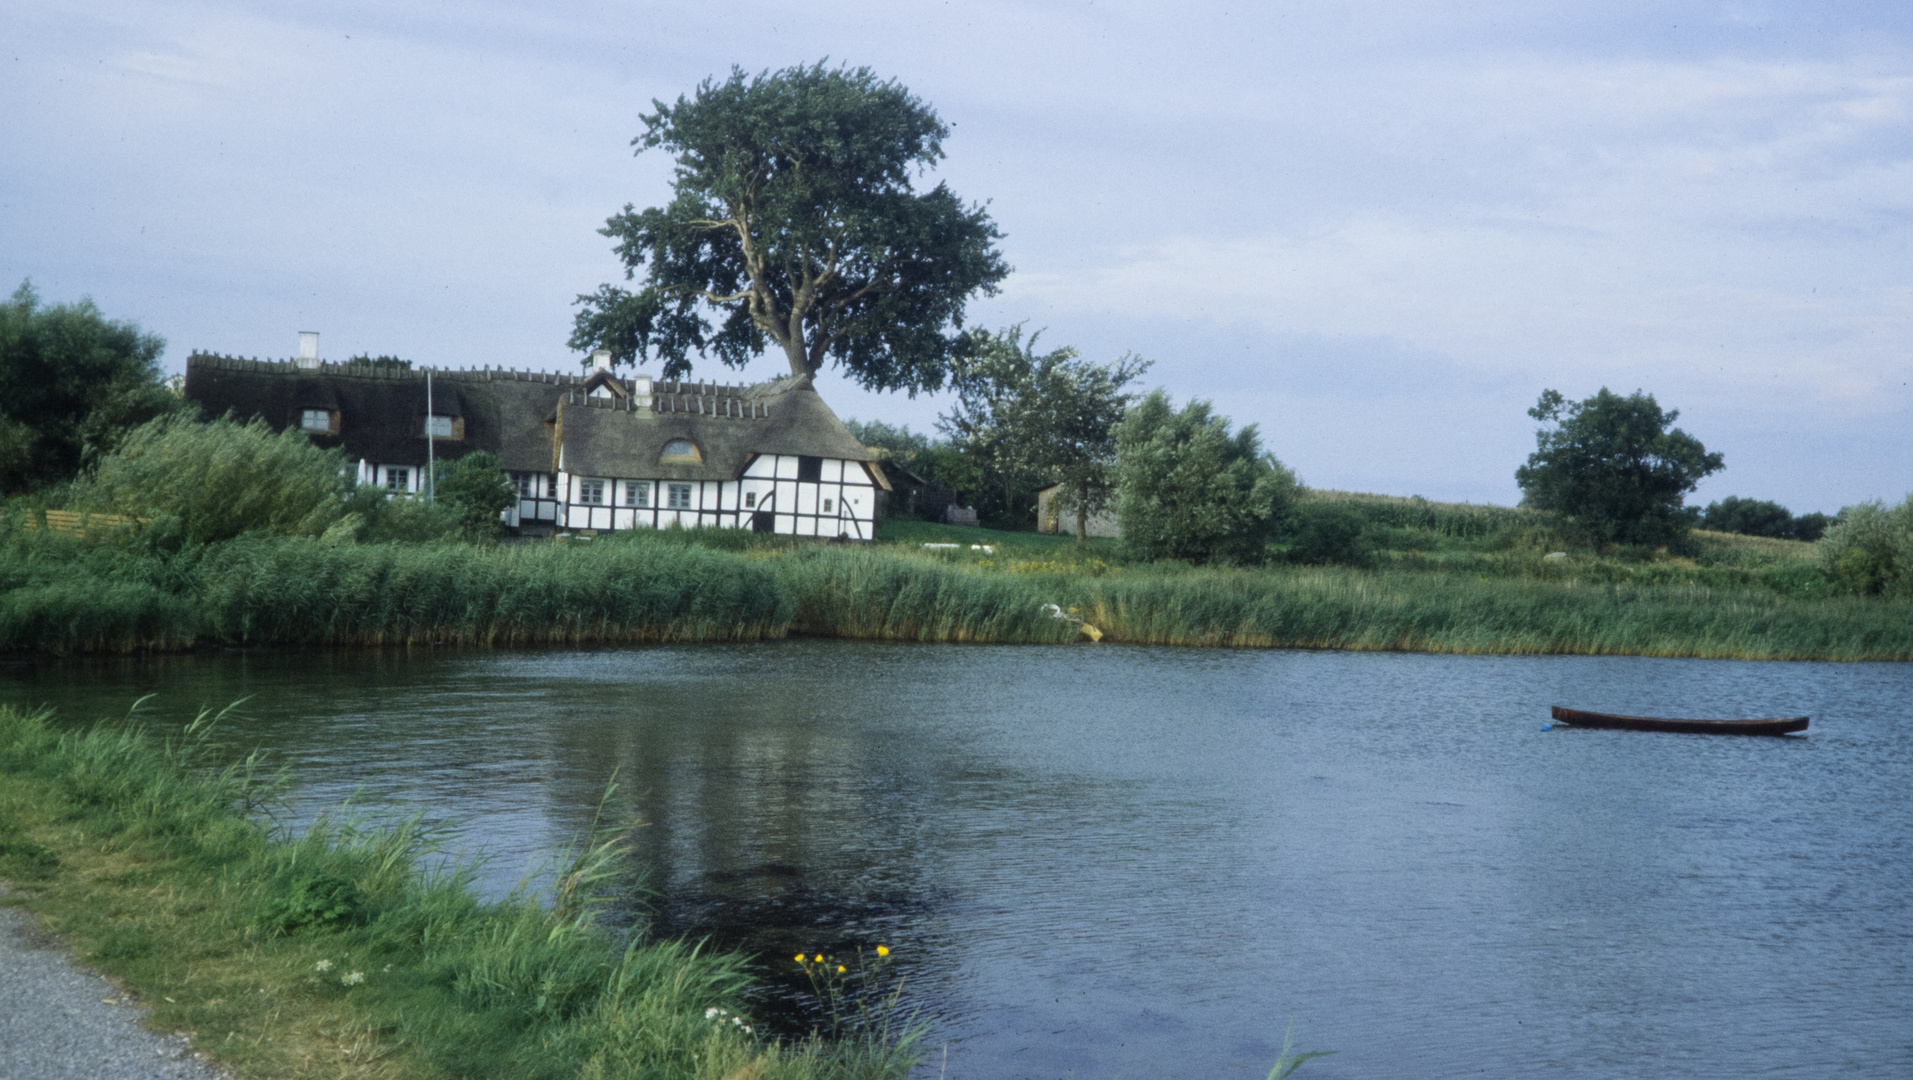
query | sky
(1375,230)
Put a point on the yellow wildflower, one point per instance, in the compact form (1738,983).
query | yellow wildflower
(883,950)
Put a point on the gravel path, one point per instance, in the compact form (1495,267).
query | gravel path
(60,1021)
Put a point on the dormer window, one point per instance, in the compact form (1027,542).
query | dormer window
(680,451)
(318,421)
(442,427)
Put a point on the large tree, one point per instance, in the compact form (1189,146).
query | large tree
(1188,489)
(1043,416)
(795,223)
(1616,465)
(72,383)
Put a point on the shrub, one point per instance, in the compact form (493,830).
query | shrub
(1188,489)
(475,492)
(1869,549)
(1329,533)
(221,479)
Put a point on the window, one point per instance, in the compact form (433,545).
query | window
(637,493)
(439,427)
(811,469)
(678,496)
(398,479)
(315,420)
(679,450)
(527,485)
(551,487)
(827,508)
(750,499)
(591,492)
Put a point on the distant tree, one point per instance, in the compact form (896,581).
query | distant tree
(381,363)
(1038,417)
(1811,527)
(476,491)
(1869,549)
(1616,465)
(879,436)
(72,384)
(1188,489)
(1757,517)
(794,220)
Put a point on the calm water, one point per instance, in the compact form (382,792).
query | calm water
(1112,862)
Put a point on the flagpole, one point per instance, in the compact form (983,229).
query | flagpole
(431,456)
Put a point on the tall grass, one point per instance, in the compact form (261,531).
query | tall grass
(70,596)
(330,953)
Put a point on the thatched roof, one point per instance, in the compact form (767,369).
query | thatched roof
(530,419)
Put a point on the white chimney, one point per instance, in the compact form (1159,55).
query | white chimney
(641,391)
(601,360)
(308,349)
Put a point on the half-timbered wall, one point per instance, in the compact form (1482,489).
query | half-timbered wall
(836,498)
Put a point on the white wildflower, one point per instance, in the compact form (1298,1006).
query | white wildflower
(353,979)
(713,1013)
(323,965)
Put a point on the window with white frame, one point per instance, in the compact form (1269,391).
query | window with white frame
(591,492)
(827,507)
(678,496)
(750,499)
(398,479)
(527,485)
(637,493)
(679,450)
(315,419)
(439,427)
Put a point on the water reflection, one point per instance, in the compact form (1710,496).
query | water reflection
(1108,862)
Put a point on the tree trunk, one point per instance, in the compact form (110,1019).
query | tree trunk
(797,355)
(1082,518)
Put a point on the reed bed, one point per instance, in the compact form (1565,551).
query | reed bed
(1346,609)
(298,591)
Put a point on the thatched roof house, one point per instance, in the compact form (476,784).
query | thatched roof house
(587,452)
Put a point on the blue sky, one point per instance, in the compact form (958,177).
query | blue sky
(1377,231)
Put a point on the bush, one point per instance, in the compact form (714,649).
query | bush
(475,492)
(221,479)
(1329,534)
(1187,489)
(1869,549)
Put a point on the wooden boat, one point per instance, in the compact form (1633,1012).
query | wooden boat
(1774,726)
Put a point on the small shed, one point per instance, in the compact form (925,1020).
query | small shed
(1050,517)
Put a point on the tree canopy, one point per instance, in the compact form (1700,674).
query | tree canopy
(1043,417)
(1188,489)
(794,222)
(1616,465)
(72,383)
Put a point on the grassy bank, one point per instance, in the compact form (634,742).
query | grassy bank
(1443,581)
(331,955)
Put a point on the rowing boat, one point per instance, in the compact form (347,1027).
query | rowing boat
(1774,726)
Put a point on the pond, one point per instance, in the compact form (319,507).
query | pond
(1109,862)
